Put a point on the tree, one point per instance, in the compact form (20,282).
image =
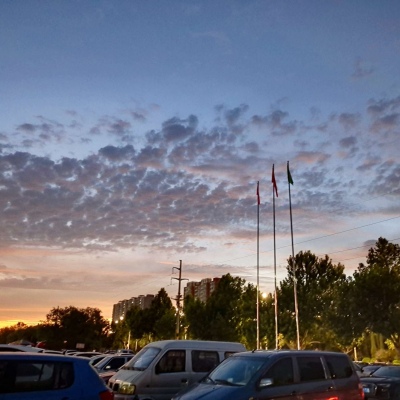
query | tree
(317,280)
(70,325)
(342,316)
(195,318)
(220,318)
(376,293)
(157,321)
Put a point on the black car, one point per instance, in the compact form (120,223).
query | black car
(384,383)
(370,369)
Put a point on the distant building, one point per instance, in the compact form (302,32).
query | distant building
(201,290)
(120,309)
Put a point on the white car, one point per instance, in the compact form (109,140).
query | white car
(34,376)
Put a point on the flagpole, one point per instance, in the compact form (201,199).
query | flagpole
(296,308)
(258,265)
(274,189)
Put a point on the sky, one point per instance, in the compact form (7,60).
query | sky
(133,135)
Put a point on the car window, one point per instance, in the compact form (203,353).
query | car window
(310,368)
(142,359)
(204,361)
(281,372)
(115,363)
(28,376)
(388,372)
(235,371)
(339,366)
(171,361)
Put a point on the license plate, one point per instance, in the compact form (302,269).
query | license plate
(366,390)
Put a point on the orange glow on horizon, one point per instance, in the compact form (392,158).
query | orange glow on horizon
(8,323)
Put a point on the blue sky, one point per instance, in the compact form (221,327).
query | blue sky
(133,134)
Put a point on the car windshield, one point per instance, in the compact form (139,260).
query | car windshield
(103,362)
(142,359)
(393,372)
(235,371)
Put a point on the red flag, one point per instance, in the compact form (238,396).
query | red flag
(258,194)
(274,181)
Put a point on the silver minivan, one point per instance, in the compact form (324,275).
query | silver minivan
(163,368)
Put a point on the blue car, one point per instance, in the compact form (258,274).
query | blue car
(31,376)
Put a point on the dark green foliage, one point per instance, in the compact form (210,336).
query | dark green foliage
(65,327)
(317,282)
(376,291)
(228,314)
(158,321)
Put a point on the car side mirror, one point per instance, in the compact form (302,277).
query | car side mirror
(265,382)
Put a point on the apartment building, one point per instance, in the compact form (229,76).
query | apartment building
(201,290)
(120,309)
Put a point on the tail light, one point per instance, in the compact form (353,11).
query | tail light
(106,395)
(361,390)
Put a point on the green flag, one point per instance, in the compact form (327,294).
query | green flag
(289,176)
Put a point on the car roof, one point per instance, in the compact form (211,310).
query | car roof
(198,344)
(20,348)
(6,355)
(273,353)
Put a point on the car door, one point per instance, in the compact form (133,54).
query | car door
(281,378)
(33,380)
(170,375)
(314,384)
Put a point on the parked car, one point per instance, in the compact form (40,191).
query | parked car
(112,362)
(305,375)
(34,376)
(51,352)
(358,369)
(87,354)
(125,351)
(69,352)
(105,376)
(384,383)
(95,359)
(370,369)
(19,348)
(163,368)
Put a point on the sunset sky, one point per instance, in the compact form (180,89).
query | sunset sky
(133,134)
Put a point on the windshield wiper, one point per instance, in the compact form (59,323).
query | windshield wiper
(225,382)
(208,379)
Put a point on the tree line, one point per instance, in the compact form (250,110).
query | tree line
(336,312)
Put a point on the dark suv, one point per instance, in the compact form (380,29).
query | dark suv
(294,375)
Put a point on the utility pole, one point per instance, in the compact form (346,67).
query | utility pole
(178,300)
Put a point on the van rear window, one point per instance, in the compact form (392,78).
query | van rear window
(204,361)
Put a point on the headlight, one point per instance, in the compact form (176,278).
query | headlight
(383,386)
(126,388)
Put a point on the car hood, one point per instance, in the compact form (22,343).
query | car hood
(207,391)
(379,379)
(126,375)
